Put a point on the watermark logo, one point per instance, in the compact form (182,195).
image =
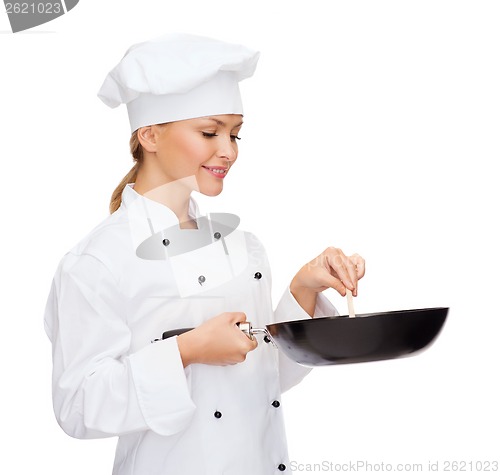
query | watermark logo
(24,15)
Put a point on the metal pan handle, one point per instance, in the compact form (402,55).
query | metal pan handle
(267,336)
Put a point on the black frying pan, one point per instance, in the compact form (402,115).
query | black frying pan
(339,340)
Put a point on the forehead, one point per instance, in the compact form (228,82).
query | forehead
(223,120)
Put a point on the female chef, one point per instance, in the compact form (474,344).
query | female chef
(207,401)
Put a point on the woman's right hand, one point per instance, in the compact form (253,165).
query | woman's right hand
(217,341)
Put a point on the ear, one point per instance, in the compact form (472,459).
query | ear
(147,137)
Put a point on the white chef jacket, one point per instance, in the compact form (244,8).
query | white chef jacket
(105,308)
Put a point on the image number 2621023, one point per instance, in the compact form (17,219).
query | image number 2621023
(28,14)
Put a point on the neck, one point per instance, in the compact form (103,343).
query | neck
(175,195)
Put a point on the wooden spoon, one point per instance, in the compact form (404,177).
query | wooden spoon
(350,304)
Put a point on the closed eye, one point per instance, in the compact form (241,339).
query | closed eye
(213,134)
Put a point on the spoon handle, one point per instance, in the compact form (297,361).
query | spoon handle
(350,304)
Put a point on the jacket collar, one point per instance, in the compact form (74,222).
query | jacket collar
(147,217)
(155,228)
(158,215)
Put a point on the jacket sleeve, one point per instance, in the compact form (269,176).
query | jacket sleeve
(288,309)
(99,388)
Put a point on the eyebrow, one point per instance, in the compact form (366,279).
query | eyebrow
(222,123)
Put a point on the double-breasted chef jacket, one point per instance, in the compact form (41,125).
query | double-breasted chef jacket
(105,309)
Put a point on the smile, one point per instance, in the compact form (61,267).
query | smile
(216,171)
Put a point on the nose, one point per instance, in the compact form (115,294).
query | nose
(228,150)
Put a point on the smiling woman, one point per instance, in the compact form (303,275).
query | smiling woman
(210,391)
(170,152)
(202,148)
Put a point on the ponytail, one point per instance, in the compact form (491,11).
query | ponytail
(130,177)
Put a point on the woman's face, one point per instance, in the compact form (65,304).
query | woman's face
(204,148)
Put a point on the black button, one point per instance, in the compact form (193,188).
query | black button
(276,404)
(217,235)
(257,275)
(217,414)
(267,339)
(166,242)
(281,467)
(201,279)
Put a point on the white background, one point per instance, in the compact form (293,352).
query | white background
(370,125)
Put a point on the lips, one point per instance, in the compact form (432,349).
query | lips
(219,172)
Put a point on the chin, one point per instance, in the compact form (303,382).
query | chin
(211,191)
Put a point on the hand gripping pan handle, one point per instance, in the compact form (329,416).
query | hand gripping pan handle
(245,327)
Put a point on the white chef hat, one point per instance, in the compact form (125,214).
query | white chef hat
(178,76)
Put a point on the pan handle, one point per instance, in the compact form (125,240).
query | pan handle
(267,336)
(245,327)
(249,331)
(176,332)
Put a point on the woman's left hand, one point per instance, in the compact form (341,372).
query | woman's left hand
(332,268)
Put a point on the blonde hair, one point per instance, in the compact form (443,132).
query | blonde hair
(130,177)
